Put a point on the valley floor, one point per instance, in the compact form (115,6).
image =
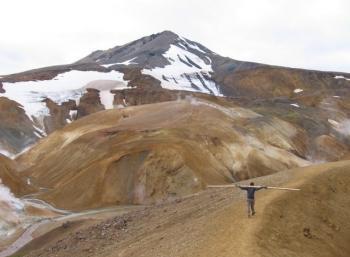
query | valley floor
(310,222)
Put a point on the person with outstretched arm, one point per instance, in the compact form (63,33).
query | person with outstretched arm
(251,197)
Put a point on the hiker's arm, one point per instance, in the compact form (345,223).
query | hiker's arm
(243,188)
(257,189)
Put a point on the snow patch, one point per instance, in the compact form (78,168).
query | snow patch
(192,45)
(11,209)
(336,96)
(38,134)
(128,62)
(295,105)
(341,77)
(12,155)
(298,90)
(124,102)
(186,71)
(105,87)
(107,99)
(39,130)
(73,114)
(342,127)
(65,86)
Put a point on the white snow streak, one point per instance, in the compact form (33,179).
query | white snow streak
(6,153)
(128,62)
(298,90)
(192,45)
(341,77)
(181,74)
(295,105)
(342,127)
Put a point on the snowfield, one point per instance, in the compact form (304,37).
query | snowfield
(10,211)
(341,77)
(65,86)
(186,71)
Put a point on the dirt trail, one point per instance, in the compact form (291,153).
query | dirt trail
(215,223)
(46,225)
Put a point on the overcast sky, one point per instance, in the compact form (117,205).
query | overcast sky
(312,34)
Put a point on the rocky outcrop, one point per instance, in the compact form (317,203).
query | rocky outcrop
(1,88)
(59,115)
(89,103)
(139,96)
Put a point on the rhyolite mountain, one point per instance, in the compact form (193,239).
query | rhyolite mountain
(164,67)
(159,119)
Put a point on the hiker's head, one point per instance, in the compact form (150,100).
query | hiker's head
(252,183)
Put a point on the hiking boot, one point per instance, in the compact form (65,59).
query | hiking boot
(253,213)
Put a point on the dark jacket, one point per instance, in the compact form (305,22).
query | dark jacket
(251,191)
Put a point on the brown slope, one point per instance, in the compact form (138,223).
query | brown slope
(10,178)
(159,151)
(265,81)
(312,222)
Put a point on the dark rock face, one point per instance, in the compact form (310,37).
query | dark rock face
(16,129)
(139,96)
(1,88)
(59,115)
(90,102)
(139,80)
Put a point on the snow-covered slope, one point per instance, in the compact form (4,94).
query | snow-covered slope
(178,63)
(66,86)
(186,71)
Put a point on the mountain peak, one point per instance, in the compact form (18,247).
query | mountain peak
(168,33)
(146,52)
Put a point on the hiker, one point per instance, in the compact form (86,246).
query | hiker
(250,197)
